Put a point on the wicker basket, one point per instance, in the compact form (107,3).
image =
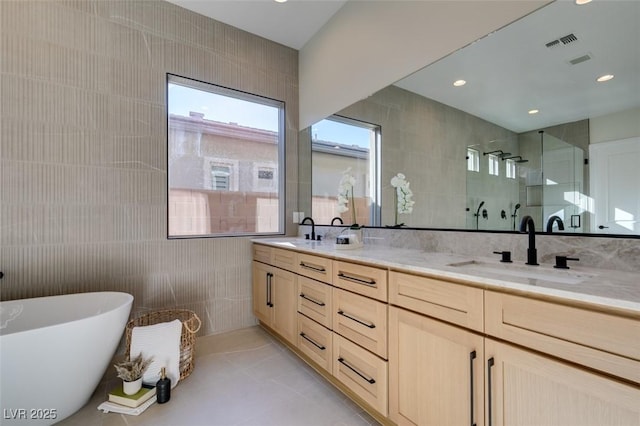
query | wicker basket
(190,326)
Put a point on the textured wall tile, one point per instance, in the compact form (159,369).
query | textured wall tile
(83,152)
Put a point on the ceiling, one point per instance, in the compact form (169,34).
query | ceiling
(292,23)
(512,71)
(508,72)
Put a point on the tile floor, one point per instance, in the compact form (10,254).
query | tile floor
(243,378)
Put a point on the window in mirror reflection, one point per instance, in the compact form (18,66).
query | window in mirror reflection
(473,160)
(494,165)
(510,169)
(341,145)
(225,161)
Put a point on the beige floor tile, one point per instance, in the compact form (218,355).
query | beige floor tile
(243,378)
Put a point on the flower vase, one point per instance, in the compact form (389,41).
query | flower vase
(132,388)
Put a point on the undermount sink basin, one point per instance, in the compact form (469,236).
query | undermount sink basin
(562,276)
(300,243)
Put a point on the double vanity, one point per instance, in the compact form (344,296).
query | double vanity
(419,338)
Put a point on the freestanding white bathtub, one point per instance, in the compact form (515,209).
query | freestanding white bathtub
(54,351)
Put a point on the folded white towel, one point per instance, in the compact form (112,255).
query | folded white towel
(162,342)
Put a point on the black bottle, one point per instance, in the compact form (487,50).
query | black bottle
(163,388)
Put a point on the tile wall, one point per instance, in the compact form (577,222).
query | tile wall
(83,152)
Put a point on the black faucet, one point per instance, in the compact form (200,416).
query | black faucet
(552,219)
(313,226)
(528,225)
(336,218)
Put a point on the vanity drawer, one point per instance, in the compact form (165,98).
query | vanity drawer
(314,300)
(454,303)
(261,253)
(362,372)
(316,267)
(598,340)
(315,341)
(284,259)
(361,320)
(366,280)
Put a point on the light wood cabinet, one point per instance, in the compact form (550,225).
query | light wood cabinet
(362,279)
(262,292)
(316,267)
(284,259)
(457,354)
(454,303)
(594,339)
(274,299)
(362,372)
(361,320)
(436,372)
(316,342)
(524,388)
(314,301)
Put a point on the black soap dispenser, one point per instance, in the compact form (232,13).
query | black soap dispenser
(163,387)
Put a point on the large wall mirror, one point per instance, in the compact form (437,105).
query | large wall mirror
(527,128)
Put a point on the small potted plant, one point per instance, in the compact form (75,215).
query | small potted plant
(131,371)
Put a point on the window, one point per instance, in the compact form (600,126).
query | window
(220,177)
(265,176)
(510,171)
(225,156)
(341,145)
(473,160)
(494,165)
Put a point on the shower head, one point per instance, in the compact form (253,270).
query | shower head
(498,152)
(479,207)
(519,159)
(517,206)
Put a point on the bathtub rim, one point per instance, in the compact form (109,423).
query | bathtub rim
(127,300)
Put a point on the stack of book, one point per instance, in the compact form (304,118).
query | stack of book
(119,402)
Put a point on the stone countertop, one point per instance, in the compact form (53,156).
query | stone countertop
(601,289)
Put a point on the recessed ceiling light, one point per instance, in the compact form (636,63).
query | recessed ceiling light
(459,83)
(284,1)
(533,111)
(581,2)
(604,78)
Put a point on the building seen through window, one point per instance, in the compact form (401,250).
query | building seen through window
(225,161)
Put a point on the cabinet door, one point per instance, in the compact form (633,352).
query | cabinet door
(436,372)
(283,287)
(262,292)
(524,388)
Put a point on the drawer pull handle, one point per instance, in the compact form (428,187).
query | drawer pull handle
(343,362)
(356,280)
(313,268)
(490,364)
(269,289)
(311,300)
(359,321)
(472,356)
(304,336)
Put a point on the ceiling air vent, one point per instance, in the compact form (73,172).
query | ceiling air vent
(580,59)
(569,38)
(552,44)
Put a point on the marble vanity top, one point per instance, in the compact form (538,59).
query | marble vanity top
(599,288)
